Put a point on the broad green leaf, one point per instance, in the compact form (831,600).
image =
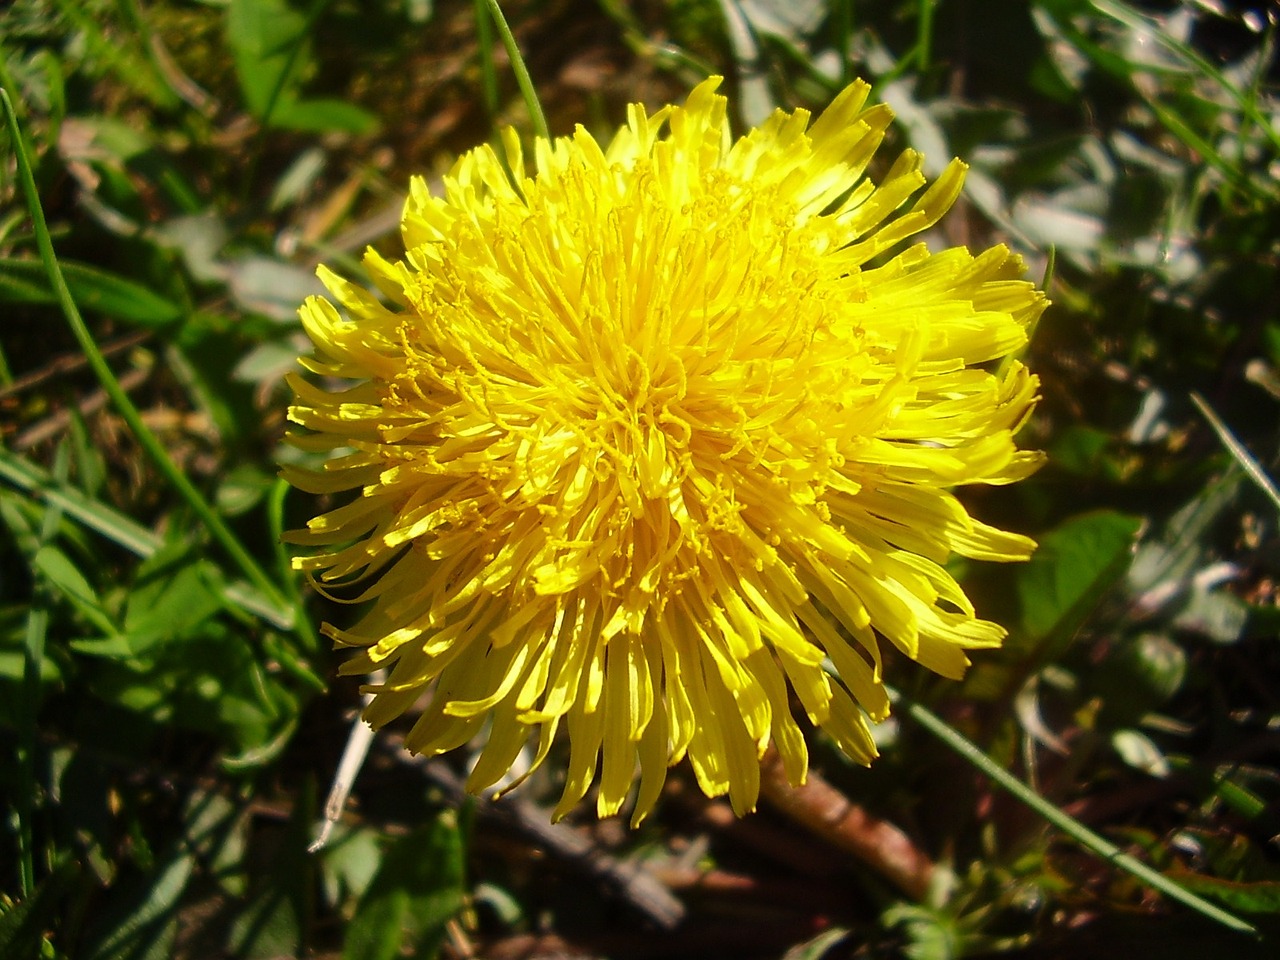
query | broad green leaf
(271,51)
(217,830)
(323,116)
(349,862)
(243,489)
(272,57)
(211,682)
(25,281)
(173,593)
(1073,567)
(72,584)
(141,920)
(417,890)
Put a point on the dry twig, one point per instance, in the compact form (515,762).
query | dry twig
(824,810)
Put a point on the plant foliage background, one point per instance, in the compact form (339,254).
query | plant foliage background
(169,722)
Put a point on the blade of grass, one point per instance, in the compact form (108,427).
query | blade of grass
(523,81)
(37,628)
(113,525)
(1237,450)
(214,523)
(136,538)
(121,56)
(33,647)
(664,54)
(1135,20)
(1069,825)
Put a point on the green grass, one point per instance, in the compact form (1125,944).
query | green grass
(169,717)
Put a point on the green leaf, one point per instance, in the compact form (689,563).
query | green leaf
(1260,897)
(817,947)
(120,529)
(349,863)
(174,592)
(67,579)
(217,831)
(263,35)
(323,116)
(243,489)
(141,920)
(272,56)
(25,281)
(1073,567)
(108,521)
(417,890)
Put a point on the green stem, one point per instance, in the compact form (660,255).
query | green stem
(1238,450)
(221,533)
(521,71)
(924,35)
(1068,825)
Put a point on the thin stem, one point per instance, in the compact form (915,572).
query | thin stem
(521,71)
(924,35)
(1237,450)
(1067,824)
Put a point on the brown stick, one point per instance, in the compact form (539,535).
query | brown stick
(69,362)
(631,881)
(825,811)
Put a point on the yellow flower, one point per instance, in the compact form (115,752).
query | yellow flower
(655,438)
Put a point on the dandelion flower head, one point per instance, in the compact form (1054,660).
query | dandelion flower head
(654,439)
